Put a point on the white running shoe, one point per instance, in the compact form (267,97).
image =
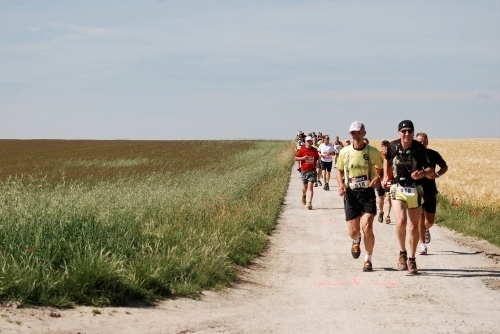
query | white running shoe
(427,236)
(423,249)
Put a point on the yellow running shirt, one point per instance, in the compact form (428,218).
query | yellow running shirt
(358,165)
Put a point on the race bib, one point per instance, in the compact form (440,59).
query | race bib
(408,191)
(358,182)
(309,159)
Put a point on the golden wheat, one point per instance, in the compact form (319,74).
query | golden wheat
(473,170)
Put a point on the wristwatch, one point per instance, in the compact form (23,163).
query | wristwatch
(438,174)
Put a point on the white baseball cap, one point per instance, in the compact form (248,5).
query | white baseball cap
(309,138)
(356,126)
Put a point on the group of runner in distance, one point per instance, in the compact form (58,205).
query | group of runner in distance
(402,174)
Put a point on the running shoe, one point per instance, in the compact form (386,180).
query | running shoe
(309,206)
(402,261)
(319,182)
(367,266)
(315,184)
(380,217)
(427,236)
(423,249)
(355,249)
(303,200)
(388,220)
(412,266)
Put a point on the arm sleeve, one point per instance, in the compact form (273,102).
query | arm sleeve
(423,158)
(440,161)
(299,153)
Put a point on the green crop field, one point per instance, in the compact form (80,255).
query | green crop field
(107,222)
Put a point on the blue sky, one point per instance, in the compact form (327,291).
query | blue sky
(247,69)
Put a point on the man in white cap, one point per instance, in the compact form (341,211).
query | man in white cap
(308,157)
(357,179)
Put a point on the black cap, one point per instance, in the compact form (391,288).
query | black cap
(385,142)
(405,124)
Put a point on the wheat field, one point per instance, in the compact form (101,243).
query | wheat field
(473,170)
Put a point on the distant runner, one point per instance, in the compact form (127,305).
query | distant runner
(337,146)
(326,153)
(430,193)
(357,178)
(383,192)
(316,143)
(409,160)
(308,157)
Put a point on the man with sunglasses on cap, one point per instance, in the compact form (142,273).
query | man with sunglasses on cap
(410,165)
(308,158)
(357,178)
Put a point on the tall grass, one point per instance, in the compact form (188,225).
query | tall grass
(469,218)
(142,235)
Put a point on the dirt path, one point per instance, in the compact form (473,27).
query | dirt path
(307,282)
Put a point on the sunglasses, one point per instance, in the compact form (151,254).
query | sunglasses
(406,131)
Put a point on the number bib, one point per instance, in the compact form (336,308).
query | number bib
(408,191)
(359,182)
(309,159)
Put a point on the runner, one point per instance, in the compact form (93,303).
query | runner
(347,142)
(326,152)
(316,143)
(383,192)
(337,146)
(430,193)
(357,178)
(307,157)
(300,143)
(409,160)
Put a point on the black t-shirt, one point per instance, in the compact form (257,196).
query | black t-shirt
(435,159)
(406,161)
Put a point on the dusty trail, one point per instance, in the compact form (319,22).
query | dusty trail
(307,282)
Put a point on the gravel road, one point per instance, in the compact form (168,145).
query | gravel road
(307,282)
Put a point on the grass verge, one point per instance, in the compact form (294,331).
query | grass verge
(141,236)
(469,219)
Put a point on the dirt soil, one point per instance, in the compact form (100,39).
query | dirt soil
(307,282)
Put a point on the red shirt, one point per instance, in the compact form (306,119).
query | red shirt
(311,155)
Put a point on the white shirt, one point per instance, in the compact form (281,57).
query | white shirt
(325,152)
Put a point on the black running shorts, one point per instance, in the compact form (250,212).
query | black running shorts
(358,202)
(326,165)
(380,191)
(430,203)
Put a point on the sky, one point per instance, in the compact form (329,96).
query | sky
(260,69)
